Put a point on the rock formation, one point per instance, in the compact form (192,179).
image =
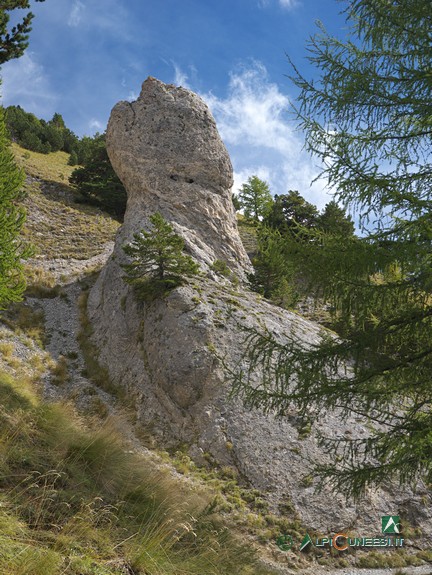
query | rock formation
(166,354)
(167,151)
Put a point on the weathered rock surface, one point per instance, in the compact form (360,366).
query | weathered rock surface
(166,149)
(168,353)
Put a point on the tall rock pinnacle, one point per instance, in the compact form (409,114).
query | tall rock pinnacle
(167,151)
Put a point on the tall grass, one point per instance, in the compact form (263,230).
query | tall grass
(75,501)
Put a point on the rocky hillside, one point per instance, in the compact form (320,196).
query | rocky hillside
(121,450)
(173,355)
(80,494)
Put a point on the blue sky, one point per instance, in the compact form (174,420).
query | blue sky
(86,55)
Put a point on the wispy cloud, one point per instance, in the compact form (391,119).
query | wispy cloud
(289,3)
(180,76)
(254,111)
(26,82)
(76,14)
(253,120)
(286,4)
(96,125)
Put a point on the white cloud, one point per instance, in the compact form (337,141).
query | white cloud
(288,3)
(96,126)
(132,96)
(76,14)
(261,139)
(25,82)
(180,77)
(254,112)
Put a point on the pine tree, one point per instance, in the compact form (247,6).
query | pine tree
(11,220)
(273,271)
(96,180)
(12,45)
(333,220)
(158,262)
(369,119)
(291,211)
(13,42)
(255,198)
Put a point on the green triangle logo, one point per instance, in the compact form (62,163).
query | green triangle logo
(306,541)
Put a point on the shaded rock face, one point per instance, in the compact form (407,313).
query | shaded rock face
(172,355)
(167,151)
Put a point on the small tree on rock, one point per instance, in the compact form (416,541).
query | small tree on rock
(158,262)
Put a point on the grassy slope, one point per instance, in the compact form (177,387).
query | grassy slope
(73,499)
(57,226)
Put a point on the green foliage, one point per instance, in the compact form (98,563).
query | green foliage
(158,262)
(12,218)
(374,93)
(273,274)
(236,202)
(96,181)
(38,135)
(290,211)
(14,41)
(333,220)
(73,159)
(281,264)
(255,199)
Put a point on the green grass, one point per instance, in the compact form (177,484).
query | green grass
(56,225)
(75,501)
(53,167)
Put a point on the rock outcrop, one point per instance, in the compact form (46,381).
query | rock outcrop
(167,151)
(167,354)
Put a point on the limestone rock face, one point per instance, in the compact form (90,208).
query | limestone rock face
(167,151)
(172,355)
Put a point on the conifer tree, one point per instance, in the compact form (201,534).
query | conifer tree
(368,117)
(14,41)
(273,270)
(96,179)
(158,262)
(11,220)
(255,198)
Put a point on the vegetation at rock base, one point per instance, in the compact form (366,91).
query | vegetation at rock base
(279,239)
(56,225)
(93,177)
(96,180)
(158,263)
(375,93)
